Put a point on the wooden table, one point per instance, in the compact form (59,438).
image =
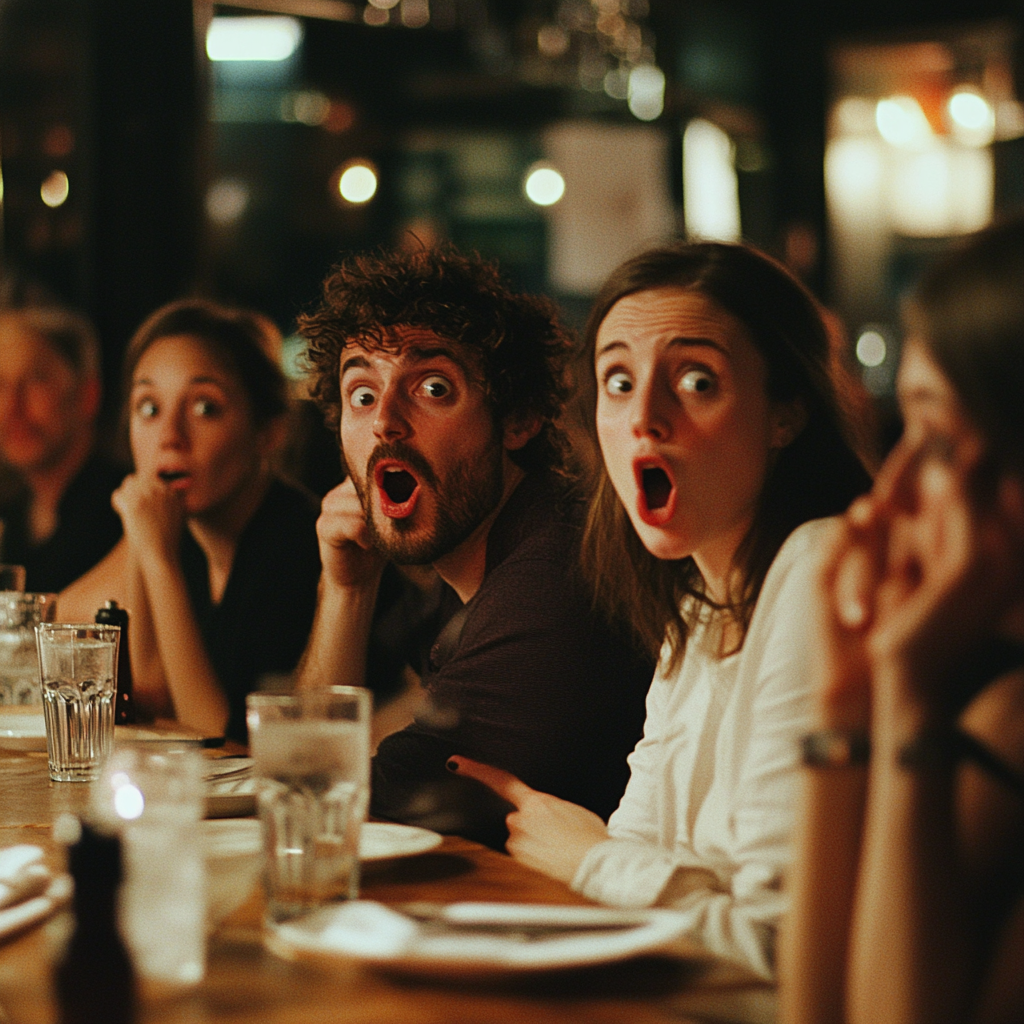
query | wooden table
(247,983)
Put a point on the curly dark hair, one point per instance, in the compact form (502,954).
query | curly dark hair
(524,350)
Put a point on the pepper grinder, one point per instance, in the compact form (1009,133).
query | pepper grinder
(95,981)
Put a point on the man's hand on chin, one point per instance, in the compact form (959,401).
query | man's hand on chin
(347,554)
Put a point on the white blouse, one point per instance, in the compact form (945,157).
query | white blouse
(704,825)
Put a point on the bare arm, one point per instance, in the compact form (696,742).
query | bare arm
(928,917)
(152,519)
(336,653)
(814,937)
(105,581)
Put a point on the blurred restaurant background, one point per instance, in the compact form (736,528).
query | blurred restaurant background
(154,149)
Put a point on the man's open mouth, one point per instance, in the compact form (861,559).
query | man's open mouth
(170,475)
(399,484)
(398,489)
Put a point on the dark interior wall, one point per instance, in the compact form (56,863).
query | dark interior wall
(146,215)
(116,79)
(124,75)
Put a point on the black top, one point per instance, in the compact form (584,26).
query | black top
(87,528)
(526,677)
(262,622)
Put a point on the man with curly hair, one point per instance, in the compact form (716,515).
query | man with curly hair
(445,388)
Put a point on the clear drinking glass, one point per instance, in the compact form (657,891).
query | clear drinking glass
(19,660)
(152,794)
(312,754)
(78,673)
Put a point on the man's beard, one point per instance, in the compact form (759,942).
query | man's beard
(462,501)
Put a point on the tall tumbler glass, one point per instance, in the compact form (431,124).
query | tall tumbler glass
(19,659)
(78,673)
(312,754)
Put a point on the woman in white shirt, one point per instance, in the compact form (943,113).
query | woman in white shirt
(721,433)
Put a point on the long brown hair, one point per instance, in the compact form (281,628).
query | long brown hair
(817,474)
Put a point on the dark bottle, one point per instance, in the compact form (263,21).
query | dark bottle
(95,981)
(111,614)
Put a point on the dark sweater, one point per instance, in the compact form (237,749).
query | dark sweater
(87,528)
(528,678)
(262,622)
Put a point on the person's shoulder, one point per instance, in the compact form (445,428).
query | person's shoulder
(807,541)
(793,574)
(542,519)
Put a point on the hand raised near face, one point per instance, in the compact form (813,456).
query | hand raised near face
(847,583)
(545,833)
(152,516)
(347,554)
(953,569)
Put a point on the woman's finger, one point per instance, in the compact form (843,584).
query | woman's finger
(505,784)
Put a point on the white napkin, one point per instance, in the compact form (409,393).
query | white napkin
(28,891)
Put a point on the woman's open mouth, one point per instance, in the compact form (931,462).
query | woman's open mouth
(176,479)
(398,489)
(657,493)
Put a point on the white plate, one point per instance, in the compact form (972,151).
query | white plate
(379,840)
(512,944)
(22,730)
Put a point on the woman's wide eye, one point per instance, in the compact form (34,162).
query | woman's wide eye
(146,408)
(436,387)
(361,397)
(205,407)
(699,382)
(618,384)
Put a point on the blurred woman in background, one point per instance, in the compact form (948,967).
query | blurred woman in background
(722,438)
(219,563)
(908,898)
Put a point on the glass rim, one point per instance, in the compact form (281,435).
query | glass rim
(53,627)
(258,699)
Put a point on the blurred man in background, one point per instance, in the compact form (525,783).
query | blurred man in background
(55,515)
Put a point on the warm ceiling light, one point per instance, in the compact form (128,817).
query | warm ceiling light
(901,122)
(357,183)
(543,185)
(646,92)
(973,119)
(54,190)
(257,38)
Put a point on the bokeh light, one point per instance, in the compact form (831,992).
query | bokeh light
(253,38)
(901,122)
(871,349)
(54,190)
(543,185)
(357,182)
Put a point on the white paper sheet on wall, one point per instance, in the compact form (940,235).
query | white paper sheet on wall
(617,199)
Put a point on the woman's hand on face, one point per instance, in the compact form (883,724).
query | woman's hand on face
(152,516)
(347,554)
(545,833)
(953,570)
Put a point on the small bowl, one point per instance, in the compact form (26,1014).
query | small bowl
(234,859)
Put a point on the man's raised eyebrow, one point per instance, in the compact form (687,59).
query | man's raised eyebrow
(355,363)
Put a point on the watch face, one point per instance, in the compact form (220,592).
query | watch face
(835,748)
